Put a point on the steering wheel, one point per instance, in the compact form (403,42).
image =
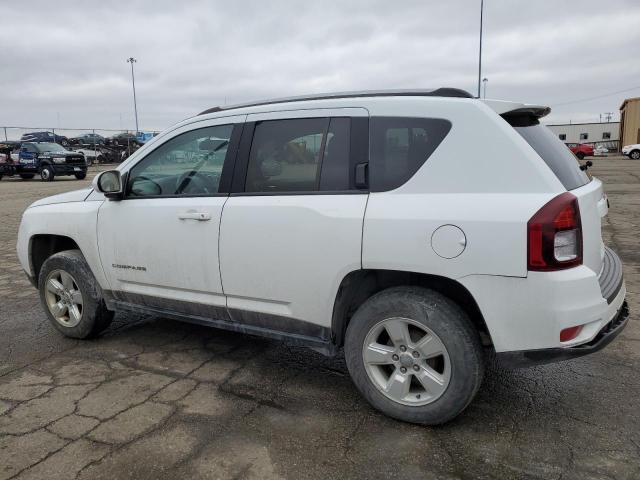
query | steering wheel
(192,182)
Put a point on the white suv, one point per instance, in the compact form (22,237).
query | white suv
(419,230)
(632,151)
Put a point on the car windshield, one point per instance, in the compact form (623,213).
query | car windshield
(49,147)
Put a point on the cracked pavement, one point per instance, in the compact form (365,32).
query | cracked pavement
(154,398)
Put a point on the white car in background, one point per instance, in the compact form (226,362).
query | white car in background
(632,151)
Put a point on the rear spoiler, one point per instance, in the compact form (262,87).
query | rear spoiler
(519,114)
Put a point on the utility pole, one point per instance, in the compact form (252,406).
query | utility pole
(480,52)
(132,60)
(484,85)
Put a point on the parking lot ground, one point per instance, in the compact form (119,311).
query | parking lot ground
(153,398)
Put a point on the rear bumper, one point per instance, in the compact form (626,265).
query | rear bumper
(527,358)
(528,314)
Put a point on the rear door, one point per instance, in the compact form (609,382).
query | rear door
(591,198)
(292,227)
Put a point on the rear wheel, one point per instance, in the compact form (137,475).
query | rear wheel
(635,154)
(580,155)
(71,296)
(27,176)
(80,175)
(47,174)
(414,355)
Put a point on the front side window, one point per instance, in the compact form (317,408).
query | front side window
(399,146)
(189,164)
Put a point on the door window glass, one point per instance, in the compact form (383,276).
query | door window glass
(286,155)
(187,165)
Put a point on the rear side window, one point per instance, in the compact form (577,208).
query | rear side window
(399,146)
(555,154)
(300,155)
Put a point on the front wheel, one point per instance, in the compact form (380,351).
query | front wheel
(71,296)
(47,174)
(635,154)
(580,155)
(414,355)
(80,175)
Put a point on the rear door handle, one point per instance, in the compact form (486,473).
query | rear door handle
(200,216)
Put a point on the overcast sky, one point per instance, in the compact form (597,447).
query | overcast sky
(63,64)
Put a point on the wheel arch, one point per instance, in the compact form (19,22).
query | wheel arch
(42,246)
(359,285)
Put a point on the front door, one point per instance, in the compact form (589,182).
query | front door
(159,246)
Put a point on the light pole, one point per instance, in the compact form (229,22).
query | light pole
(132,60)
(480,52)
(484,87)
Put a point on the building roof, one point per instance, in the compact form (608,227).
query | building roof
(436,92)
(629,100)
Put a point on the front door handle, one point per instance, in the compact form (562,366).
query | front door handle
(200,216)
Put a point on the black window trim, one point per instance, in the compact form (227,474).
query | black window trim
(358,153)
(225,176)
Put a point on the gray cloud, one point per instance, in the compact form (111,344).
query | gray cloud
(67,59)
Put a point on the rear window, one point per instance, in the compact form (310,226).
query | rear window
(555,154)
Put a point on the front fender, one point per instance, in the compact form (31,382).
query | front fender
(75,220)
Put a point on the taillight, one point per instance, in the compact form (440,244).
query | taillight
(555,235)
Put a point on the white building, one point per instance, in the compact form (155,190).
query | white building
(596,133)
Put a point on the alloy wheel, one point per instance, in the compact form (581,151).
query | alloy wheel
(406,361)
(63,298)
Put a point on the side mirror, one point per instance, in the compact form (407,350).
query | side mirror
(110,183)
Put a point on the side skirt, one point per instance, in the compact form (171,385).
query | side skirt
(320,344)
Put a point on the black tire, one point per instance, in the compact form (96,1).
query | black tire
(101,159)
(580,155)
(27,176)
(449,322)
(95,316)
(635,154)
(80,175)
(47,174)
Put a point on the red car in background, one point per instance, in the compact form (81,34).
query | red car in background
(580,150)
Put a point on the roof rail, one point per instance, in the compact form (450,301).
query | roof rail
(436,92)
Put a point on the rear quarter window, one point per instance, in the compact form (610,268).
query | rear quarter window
(399,146)
(555,154)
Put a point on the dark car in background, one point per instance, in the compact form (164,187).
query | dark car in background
(88,139)
(49,160)
(581,150)
(122,139)
(45,137)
